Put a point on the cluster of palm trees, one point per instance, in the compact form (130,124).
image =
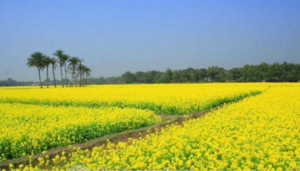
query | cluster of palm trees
(41,62)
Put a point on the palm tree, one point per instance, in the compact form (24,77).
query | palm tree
(47,62)
(60,54)
(87,73)
(54,62)
(66,58)
(36,60)
(80,71)
(83,69)
(73,62)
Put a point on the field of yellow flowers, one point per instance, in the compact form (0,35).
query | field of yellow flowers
(160,98)
(34,120)
(257,133)
(32,129)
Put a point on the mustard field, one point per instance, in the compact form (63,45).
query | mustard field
(259,131)
(32,129)
(160,98)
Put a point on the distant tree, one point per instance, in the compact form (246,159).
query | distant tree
(158,77)
(87,73)
(202,74)
(175,76)
(289,72)
(168,75)
(128,77)
(11,82)
(184,76)
(296,72)
(54,62)
(111,80)
(275,73)
(140,77)
(65,59)
(61,57)
(83,70)
(47,63)
(263,70)
(216,74)
(80,72)
(73,62)
(150,76)
(37,60)
(235,74)
(192,75)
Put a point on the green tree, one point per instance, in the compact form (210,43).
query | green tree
(54,62)
(60,54)
(175,76)
(65,59)
(216,74)
(128,77)
(235,73)
(192,75)
(83,70)
(263,70)
(80,72)
(168,75)
(73,64)
(36,60)
(87,74)
(275,73)
(140,77)
(202,74)
(47,63)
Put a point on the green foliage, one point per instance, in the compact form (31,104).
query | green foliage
(285,72)
(36,60)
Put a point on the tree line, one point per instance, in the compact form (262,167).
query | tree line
(11,82)
(74,64)
(276,72)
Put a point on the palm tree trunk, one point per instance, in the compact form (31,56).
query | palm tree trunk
(54,76)
(47,77)
(66,77)
(76,79)
(82,77)
(80,80)
(86,79)
(62,78)
(83,83)
(40,79)
(73,76)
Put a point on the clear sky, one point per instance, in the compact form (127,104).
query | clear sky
(115,36)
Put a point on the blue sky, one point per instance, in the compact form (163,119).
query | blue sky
(115,36)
